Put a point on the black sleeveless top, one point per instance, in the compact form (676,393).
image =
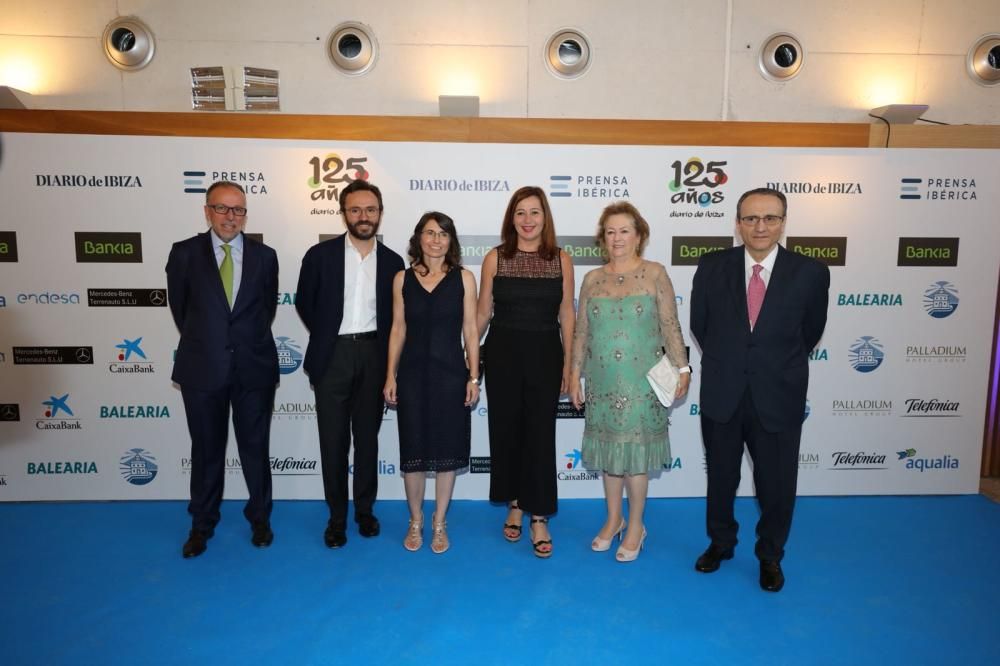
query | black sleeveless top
(527,292)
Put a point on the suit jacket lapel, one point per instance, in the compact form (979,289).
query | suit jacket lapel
(737,287)
(212,268)
(775,284)
(251,262)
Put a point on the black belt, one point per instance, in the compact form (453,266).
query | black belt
(367,335)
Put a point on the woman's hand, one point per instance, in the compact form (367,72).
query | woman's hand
(576,395)
(389,392)
(471,393)
(682,385)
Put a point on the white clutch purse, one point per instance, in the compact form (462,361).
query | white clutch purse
(663,378)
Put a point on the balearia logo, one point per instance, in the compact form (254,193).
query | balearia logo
(127,298)
(286,298)
(572,467)
(294,411)
(289,466)
(108,247)
(130,358)
(328,174)
(819,354)
(817,187)
(941,299)
(866,354)
(289,355)
(831,250)
(589,186)
(870,300)
(58,415)
(687,250)
(931,408)
(53,355)
(252,181)
(926,464)
(134,412)
(672,464)
(8,246)
(927,252)
(459,185)
(846,460)
(937,189)
(935,353)
(138,466)
(49,298)
(862,407)
(82,180)
(582,250)
(62,467)
(808,460)
(10,411)
(699,184)
(479,465)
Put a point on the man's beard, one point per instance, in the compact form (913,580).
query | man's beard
(358,233)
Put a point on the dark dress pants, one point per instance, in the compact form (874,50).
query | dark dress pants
(349,401)
(775,457)
(207,415)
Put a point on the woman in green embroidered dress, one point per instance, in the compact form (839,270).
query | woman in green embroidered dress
(626,317)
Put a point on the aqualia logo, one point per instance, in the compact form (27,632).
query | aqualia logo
(138,466)
(866,354)
(289,355)
(688,185)
(941,299)
(926,464)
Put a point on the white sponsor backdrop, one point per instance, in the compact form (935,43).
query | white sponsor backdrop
(875,432)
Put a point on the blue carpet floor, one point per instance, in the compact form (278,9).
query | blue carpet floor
(890,580)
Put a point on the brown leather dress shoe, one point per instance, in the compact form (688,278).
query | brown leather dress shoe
(771,577)
(711,558)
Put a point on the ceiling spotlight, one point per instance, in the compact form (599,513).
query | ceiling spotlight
(352,48)
(983,61)
(128,43)
(780,58)
(567,54)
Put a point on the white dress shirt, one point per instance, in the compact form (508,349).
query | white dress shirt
(765,274)
(359,290)
(236,252)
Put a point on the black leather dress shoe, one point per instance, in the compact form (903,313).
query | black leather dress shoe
(771,577)
(196,544)
(711,558)
(262,534)
(368,526)
(335,536)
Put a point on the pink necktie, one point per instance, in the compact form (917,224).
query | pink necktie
(755,294)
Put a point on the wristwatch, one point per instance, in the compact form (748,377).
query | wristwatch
(685,370)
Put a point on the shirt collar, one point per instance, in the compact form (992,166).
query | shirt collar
(236,243)
(767,263)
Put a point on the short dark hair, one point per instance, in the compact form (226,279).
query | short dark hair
(223,183)
(360,186)
(452,258)
(549,247)
(638,221)
(766,191)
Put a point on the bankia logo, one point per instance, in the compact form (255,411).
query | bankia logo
(866,354)
(53,355)
(108,247)
(861,407)
(589,186)
(831,250)
(941,299)
(861,460)
(474,248)
(126,298)
(10,411)
(687,250)
(913,188)
(698,184)
(935,353)
(817,187)
(252,181)
(573,472)
(129,357)
(914,251)
(931,408)
(8,246)
(912,462)
(58,415)
(138,466)
(328,174)
(461,184)
(582,250)
(289,355)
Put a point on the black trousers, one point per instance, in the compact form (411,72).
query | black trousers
(207,415)
(775,457)
(349,402)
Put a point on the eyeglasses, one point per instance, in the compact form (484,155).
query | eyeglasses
(354,211)
(430,234)
(223,209)
(769,220)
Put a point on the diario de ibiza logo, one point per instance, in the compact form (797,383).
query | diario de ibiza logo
(129,358)
(699,183)
(926,464)
(289,355)
(138,466)
(941,299)
(589,186)
(866,354)
(329,174)
(58,415)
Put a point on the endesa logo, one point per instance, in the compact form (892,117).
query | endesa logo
(697,183)
(926,464)
(831,250)
(572,461)
(8,246)
(93,247)
(866,354)
(927,252)
(589,186)
(941,299)
(49,298)
(330,173)
(289,355)
(138,467)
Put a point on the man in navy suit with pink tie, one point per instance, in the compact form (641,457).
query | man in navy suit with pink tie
(223,292)
(756,311)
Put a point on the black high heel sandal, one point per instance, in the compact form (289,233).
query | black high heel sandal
(544,554)
(511,526)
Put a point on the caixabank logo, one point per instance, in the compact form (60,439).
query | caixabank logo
(122,297)
(918,188)
(129,358)
(831,250)
(866,354)
(572,470)
(911,462)
(931,408)
(252,181)
(696,187)
(589,186)
(57,414)
(108,247)
(10,412)
(935,353)
(8,246)
(917,251)
(74,355)
(941,299)
(138,467)
(289,355)
(329,174)
(687,250)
